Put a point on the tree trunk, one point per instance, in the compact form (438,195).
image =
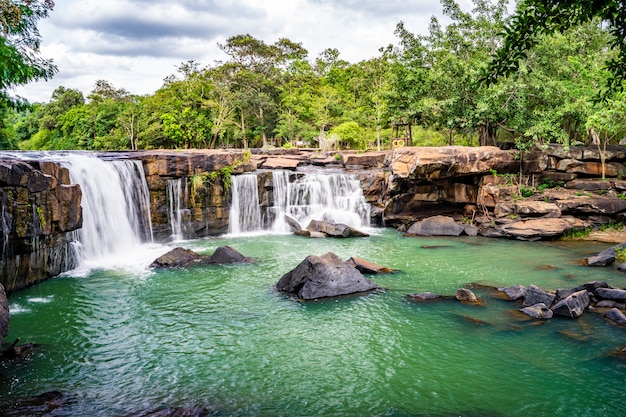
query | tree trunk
(485,137)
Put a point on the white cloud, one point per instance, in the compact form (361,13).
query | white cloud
(134,44)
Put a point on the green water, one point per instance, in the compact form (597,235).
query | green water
(223,338)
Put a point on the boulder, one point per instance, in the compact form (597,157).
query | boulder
(334,229)
(515,292)
(324,276)
(611,304)
(182,258)
(535,295)
(573,305)
(463,294)
(538,311)
(367,267)
(4,314)
(436,226)
(614,294)
(450,161)
(425,296)
(537,228)
(226,255)
(606,257)
(616,316)
(293,224)
(537,208)
(179,258)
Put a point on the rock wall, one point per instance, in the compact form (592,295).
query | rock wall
(40,209)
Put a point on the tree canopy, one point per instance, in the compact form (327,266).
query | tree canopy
(534,19)
(274,94)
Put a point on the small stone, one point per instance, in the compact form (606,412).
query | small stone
(463,294)
(538,311)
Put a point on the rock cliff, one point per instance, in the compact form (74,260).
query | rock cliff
(40,209)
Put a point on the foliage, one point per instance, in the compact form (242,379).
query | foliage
(20,62)
(534,19)
(272,94)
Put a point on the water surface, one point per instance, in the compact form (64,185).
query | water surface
(119,341)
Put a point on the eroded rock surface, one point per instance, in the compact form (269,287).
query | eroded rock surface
(324,276)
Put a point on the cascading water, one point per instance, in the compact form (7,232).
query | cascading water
(335,197)
(245,213)
(116,209)
(175,212)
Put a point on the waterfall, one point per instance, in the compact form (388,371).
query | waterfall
(245,213)
(175,204)
(335,197)
(116,209)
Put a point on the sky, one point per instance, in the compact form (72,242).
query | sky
(135,44)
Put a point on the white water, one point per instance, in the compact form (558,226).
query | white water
(175,204)
(332,197)
(116,213)
(335,197)
(245,213)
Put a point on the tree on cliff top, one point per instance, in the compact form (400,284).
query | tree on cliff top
(20,62)
(535,18)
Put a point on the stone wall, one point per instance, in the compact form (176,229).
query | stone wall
(40,209)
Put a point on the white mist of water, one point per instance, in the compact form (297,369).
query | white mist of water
(116,213)
(245,213)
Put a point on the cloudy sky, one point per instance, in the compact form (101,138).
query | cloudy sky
(135,44)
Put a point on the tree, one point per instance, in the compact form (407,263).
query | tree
(20,62)
(535,18)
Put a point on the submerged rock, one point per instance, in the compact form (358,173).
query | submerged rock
(367,267)
(616,316)
(46,404)
(324,276)
(463,294)
(426,296)
(538,311)
(4,314)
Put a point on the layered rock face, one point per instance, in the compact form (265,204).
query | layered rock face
(205,193)
(40,208)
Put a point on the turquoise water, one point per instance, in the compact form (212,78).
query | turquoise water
(221,336)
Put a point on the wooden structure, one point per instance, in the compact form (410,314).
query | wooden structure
(401,134)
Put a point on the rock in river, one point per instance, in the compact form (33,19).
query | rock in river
(182,258)
(324,276)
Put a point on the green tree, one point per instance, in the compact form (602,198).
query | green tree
(535,18)
(20,62)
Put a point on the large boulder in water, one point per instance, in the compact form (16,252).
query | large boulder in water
(4,314)
(334,229)
(227,255)
(573,305)
(436,226)
(181,258)
(324,276)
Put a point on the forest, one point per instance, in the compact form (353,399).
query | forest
(275,95)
